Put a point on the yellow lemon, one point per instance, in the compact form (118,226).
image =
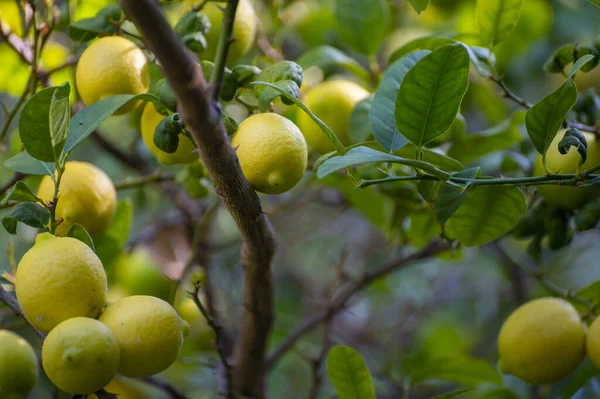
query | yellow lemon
(568,197)
(543,341)
(127,388)
(57,279)
(18,366)
(80,355)
(272,152)
(244,29)
(332,102)
(593,342)
(149,332)
(87,197)
(109,66)
(186,151)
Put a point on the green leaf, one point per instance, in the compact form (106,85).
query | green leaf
(419,5)
(545,118)
(483,60)
(460,369)
(89,118)
(382,115)
(486,214)
(110,244)
(431,93)
(79,232)
(452,394)
(269,94)
(282,71)
(29,213)
(422,43)
(88,28)
(365,155)
(19,192)
(579,64)
(44,123)
(25,163)
(497,19)
(596,2)
(362,24)
(452,197)
(327,58)
(360,127)
(349,374)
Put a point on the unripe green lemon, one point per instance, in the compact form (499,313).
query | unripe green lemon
(186,151)
(18,366)
(593,342)
(80,355)
(60,278)
(568,197)
(332,102)
(112,65)
(149,331)
(542,342)
(244,29)
(272,152)
(87,197)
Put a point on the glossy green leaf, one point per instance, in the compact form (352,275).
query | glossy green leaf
(282,71)
(422,43)
(349,374)
(431,94)
(497,19)
(19,192)
(110,244)
(269,94)
(102,24)
(362,24)
(360,126)
(79,232)
(44,123)
(28,213)
(579,64)
(460,369)
(419,5)
(328,58)
(25,163)
(486,214)
(483,60)
(365,155)
(451,197)
(545,118)
(382,115)
(453,394)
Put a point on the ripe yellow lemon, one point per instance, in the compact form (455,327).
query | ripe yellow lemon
(87,197)
(593,342)
(244,29)
(568,197)
(186,151)
(543,341)
(272,152)
(332,102)
(149,331)
(18,366)
(80,355)
(112,65)
(57,279)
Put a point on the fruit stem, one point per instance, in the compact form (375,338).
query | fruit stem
(53,205)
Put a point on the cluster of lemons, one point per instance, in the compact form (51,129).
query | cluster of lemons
(545,340)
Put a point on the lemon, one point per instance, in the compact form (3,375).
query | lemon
(18,366)
(87,197)
(272,152)
(186,151)
(57,279)
(80,355)
(244,29)
(593,342)
(149,331)
(127,388)
(543,341)
(138,274)
(109,66)
(332,102)
(201,335)
(568,197)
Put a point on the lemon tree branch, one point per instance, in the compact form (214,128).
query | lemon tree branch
(202,115)
(13,305)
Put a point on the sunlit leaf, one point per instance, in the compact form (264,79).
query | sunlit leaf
(497,19)
(460,369)
(362,24)
(349,374)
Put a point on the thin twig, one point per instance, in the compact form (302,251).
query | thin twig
(173,392)
(11,182)
(134,182)
(12,303)
(225,40)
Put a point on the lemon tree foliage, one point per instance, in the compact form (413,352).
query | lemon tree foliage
(362,24)
(349,374)
(497,19)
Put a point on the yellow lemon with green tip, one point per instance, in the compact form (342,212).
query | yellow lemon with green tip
(332,102)
(272,152)
(57,279)
(245,26)
(109,66)
(186,151)
(87,197)
(18,366)
(80,356)
(542,342)
(149,331)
